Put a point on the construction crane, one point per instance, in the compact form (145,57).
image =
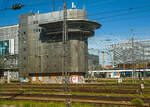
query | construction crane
(103,40)
(95,50)
(98,50)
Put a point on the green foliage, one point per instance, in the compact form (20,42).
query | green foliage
(41,104)
(110,105)
(26,104)
(84,105)
(17,104)
(33,105)
(50,104)
(77,105)
(137,102)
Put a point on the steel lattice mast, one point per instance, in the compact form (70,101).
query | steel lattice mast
(65,72)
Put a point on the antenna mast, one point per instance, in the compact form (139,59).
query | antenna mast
(53,5)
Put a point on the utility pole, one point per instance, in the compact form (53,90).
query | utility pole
(133,56)
(133,65)
(98,51)
(103,59)
(141,84)
(143,62)
(65,70)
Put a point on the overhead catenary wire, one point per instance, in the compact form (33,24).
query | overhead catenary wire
(106,18)
(121,19)
(124,14)
(118,10)
(108,12)
(100,3)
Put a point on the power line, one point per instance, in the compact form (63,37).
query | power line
(108,12)
(119,10)
(100,3)
(128,18)
(107,17)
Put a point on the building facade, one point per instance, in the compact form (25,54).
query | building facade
(93,62)
(9,40)
(35,45)
(9,51)
(41,51)
(131,54)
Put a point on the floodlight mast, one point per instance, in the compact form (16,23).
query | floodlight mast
(17,6)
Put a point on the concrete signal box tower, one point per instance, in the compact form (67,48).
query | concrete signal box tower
(41,44)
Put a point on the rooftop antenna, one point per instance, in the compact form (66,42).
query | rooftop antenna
(31,12)
(84,7)
(53,5)
(38,12)
(73,5)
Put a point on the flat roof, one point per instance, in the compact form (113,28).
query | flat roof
(9,26)
(96,24)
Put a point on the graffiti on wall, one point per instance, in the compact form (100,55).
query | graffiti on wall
(56,79)
(12,75)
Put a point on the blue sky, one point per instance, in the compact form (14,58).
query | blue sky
(115,25)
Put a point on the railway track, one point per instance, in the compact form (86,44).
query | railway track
(77,90)
(43,93)
(74,98)
(88,88)
(56,86)
(83,84)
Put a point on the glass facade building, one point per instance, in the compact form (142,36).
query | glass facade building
(129,53)
(8,48)
(4,47)
(9,40)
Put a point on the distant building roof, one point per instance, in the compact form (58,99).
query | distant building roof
(9,26)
